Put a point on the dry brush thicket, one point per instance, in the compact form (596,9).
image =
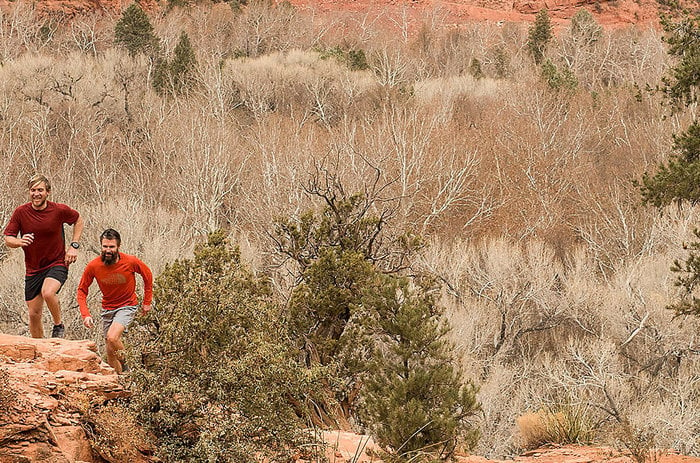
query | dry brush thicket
(555,277)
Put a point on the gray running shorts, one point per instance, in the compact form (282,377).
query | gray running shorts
(123,315)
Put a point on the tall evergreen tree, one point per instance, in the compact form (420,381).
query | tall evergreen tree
(134,32)
(184,65)
(679,179)
(540,34)
(415,399)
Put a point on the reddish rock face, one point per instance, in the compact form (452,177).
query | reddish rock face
(37,376)
(609,13)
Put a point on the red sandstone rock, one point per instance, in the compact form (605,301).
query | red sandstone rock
(611,14)
(38,425)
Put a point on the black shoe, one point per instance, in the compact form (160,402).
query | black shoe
(58,331)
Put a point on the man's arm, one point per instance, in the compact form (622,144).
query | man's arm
(19,241)
(72,253)
(78,229)
(83,288)
(147,276)
(13,239)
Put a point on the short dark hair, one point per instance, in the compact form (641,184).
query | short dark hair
(111,234)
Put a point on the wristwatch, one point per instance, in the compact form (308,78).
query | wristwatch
(75,245)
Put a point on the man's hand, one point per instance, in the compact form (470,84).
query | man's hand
(145,309)
(71,255)
(87,321)
(26,239)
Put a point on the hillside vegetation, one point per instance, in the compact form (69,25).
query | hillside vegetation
(517,176)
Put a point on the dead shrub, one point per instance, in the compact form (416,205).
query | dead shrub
(111,428)
(640,442)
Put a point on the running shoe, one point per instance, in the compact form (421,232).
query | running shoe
(58,331)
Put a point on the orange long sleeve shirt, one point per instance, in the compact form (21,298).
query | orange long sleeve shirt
(117,283)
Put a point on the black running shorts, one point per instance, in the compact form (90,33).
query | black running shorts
(33,283)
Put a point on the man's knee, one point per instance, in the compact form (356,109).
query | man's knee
(35,307)
(49,294)
(35,314)
(113,340)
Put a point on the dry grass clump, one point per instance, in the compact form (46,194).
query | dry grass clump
(565,424)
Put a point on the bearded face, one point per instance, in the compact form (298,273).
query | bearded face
(110,251)
(108,257)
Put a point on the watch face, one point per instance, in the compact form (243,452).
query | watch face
(75,245)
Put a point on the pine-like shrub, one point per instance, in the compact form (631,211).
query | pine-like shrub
(383,332)
(218,380)
(415,399)
(135,33)
(540,34)
(178,76)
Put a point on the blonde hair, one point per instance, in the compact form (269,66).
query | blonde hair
(37,179)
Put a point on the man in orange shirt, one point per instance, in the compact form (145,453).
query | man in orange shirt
(115,274)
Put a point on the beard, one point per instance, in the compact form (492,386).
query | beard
(108,257)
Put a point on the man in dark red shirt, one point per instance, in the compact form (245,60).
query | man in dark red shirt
(115,274)
(37,227)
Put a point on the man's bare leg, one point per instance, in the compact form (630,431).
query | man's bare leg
(35,308)
(115,346)
(49,291)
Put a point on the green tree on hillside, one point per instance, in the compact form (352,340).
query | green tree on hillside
(338,252)
(678,180)
(135,33)
(352,310)
(179,76)
(414,399)
(688,279)
(219,379)
(556,79)
(584,30)
(184,65)
(539,36)
(578,43)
